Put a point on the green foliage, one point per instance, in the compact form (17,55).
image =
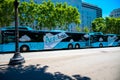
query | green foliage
(106,25)
(45,15)
(86,29)
(49,15)
(6,12)
(27,12)
(98,25)
(78,29)
(112,25)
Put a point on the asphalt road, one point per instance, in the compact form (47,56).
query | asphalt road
(80,64)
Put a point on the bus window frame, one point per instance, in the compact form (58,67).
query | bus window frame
(6,37)
(1,39)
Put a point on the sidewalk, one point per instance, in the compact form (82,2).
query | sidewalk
(4,58)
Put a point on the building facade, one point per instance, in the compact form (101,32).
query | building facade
(115,13)
(87,11)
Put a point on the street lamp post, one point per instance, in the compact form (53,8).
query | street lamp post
(17,58)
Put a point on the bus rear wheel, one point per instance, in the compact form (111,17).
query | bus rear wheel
(24,48)
(100,45)
(77,46)
(70,46)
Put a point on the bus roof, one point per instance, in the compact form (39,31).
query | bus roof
(110,34)
(58,31)
(95,33)
(19,27)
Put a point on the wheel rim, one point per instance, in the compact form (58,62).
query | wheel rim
(101,45)
(77,46)
(24,49)
(70,46)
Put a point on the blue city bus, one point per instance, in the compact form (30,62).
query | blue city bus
(103,40)
(30,40)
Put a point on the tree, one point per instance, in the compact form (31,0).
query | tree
(86,29)
(45,15)
(118,26)
(106,25)
(112,25)
(49,15)
(98,25)
(6,12)
(66,15)
(27,12)
(78,28)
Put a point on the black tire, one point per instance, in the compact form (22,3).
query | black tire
(118,44)
(77,46)
(24,48)
(70,46)
(100,45)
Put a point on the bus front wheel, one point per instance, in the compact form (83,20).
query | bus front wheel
(70,46)
(24,48)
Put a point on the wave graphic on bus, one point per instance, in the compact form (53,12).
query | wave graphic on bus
(50,41)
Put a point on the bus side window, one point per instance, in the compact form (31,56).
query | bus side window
(5,40)
(11,38)
(8,39)
(100,39)
(83,39)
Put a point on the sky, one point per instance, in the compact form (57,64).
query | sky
(106,5)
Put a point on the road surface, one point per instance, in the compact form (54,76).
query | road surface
(95,64)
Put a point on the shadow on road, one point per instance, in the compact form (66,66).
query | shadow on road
(33,72)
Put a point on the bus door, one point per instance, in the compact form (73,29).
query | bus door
(8,43)
(87,39)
